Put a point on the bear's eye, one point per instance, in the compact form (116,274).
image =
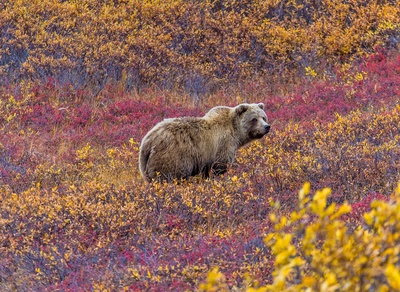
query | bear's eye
(264,119)
(254,120)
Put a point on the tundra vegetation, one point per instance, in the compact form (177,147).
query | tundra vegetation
(315,204)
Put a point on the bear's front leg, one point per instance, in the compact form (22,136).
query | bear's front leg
(205,172)
(219,168)
(214,169)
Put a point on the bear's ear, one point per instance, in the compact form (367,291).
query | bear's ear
(261,105)
(240,109)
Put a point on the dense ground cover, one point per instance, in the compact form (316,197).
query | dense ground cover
(198,46)
(76,213)
(83,81)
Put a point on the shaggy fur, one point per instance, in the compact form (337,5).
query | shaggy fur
(183,147)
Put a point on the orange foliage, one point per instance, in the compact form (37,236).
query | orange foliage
(75,213)
(192,45)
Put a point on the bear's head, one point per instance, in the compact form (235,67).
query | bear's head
(251,121)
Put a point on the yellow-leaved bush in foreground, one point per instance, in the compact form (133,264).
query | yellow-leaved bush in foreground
(315,250)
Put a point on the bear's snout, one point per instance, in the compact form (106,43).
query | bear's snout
(267,127)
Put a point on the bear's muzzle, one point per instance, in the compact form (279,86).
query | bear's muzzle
(267,127)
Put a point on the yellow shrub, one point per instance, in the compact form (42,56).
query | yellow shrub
(196,45)
(314,248)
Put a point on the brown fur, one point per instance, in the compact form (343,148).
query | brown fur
(183,147)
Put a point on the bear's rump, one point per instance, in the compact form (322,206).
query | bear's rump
(174,163)
(175,154)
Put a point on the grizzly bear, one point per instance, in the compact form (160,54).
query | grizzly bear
(181,147)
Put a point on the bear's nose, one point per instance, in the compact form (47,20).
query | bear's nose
(267,128)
